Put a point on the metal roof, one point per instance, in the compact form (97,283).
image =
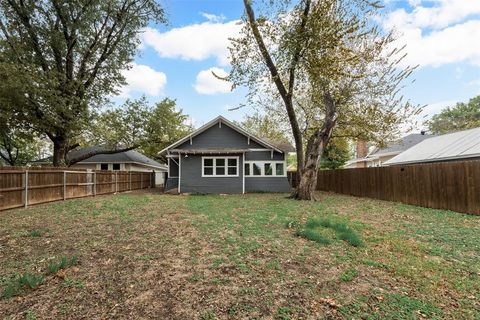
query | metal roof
(452,146)
(401,145)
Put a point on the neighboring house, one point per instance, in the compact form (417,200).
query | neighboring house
(462,145)
(221,157)
(125,161)
(378,156)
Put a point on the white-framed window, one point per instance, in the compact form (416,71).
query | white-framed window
(220,166)
(265,169)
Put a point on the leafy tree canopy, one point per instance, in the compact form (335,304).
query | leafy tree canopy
(460,117)
(328,68)
(265,126)
(64,57)
(151,128)
(336,154)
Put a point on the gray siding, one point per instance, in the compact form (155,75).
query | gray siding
(173,168)
(263,156)
(193,182)
(172,183)
(267,184)
(224,137)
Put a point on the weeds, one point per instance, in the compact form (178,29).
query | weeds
(348,275)
(30,281)
(20,283)
(64,263)
(72,283)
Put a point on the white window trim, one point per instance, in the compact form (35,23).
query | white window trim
(226,175)
(262,169)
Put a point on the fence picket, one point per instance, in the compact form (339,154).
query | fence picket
(445,185)
(20,187)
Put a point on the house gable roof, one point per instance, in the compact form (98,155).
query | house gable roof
(453,146)
(223,121)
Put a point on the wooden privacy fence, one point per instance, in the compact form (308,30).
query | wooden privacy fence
(24,187)
(444,185)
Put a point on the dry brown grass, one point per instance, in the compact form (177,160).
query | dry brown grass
(156,256)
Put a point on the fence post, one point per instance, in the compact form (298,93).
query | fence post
(141,180)
(130,180)
(64,185)
(94,183)
(26,188)
(150,180)
(116,184)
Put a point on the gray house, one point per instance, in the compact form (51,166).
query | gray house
(221,157)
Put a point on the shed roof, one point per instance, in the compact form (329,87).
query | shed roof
(130,156)
(453,146)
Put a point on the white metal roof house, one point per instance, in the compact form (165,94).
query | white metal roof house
(462,145)
(221,157)
(378,156)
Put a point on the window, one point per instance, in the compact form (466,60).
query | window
(247,169)
(220,167)
(265,169)
(232,167)
(279,171)
(104,166)
(257,169)
(116,166)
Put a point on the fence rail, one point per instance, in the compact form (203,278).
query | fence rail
(445,185)
(24,187)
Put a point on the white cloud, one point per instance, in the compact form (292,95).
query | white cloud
(143,79)
(194,42)
(207,83)
(438,34)
(213,17)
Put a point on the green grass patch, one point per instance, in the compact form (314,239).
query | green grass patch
(19,283)
(72,283)
(349,274)
(63,263)
(392,306)
(313,235)
(284,313)
(314,230)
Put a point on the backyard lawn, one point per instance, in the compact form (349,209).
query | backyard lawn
(249,256)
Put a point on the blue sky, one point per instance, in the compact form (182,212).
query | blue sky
(442,36)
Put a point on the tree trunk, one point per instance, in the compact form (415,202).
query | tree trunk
(60,149)
(315,146)
(307,183)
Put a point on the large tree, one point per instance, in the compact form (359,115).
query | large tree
(265,126)
(462,116)
(151,128)
(65,57)
(327,67)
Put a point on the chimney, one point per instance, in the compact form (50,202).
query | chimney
(362,149)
